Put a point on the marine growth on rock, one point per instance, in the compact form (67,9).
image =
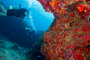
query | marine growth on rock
(68,37)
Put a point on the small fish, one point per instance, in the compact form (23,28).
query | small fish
(38,56)
(89,20)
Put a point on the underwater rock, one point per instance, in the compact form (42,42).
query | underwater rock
(8,51)
(68,38)
(34,52)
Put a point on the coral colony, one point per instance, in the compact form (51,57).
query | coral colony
(68,37)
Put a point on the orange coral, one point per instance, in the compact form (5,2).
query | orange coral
(68,38)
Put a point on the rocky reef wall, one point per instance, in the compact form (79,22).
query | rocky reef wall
(68,37)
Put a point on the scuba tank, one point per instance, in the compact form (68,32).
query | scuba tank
(20,6)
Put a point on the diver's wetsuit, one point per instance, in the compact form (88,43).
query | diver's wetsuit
(16,12)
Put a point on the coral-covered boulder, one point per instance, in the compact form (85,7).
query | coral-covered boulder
(68,38)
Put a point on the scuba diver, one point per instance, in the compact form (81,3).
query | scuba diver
(21,12)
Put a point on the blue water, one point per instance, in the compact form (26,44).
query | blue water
(28,32)
(41,20)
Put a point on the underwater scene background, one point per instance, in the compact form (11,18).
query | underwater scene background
(45,30)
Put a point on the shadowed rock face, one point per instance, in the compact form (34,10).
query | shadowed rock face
(68,38)
(34,52)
